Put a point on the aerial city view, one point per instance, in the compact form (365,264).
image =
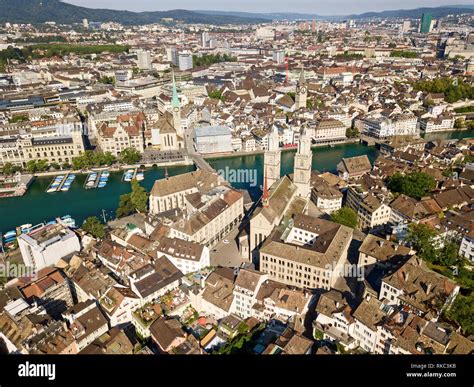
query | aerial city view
(252,180)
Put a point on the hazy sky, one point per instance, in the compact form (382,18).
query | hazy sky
(326,7)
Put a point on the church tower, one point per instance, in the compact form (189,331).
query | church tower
(272,158)
(301,92)
(176,110)
(302,169)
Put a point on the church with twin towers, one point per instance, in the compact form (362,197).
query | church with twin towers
(282,194)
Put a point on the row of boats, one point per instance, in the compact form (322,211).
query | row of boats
(97,179)
(10,237)
(131,174)
(61,183)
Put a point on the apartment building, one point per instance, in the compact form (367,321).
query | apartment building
(47,245)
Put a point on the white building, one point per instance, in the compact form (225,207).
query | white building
(187,256)
(144,60)
(185,61)
(467,247)
(47,245)
(213,139)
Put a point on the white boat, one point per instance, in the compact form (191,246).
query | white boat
(9,234)
(102,184)
(140,176)
(107,174)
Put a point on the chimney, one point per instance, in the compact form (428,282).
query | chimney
(428,288)
(405,276)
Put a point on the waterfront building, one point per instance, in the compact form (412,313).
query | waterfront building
(353,167)
(57,141)
(213,139)
(329,129)
(126,131)
(47,245)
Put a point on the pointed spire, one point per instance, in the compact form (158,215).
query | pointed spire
(266,194)
(175,99)
(302,80)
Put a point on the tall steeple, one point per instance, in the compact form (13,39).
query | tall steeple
(266,194)
(302,168)
(175,104)
(272,157)
(301,91)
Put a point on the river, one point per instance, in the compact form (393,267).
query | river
(37,206)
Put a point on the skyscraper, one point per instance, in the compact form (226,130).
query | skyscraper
(144,60)
(425,23)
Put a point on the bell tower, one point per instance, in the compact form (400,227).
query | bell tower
(175,104)
(301,92)
(272,158)
(302,168)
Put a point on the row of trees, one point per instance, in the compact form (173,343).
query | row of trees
(209,59)
(403,54)
(91,159)
(453,90)
(47,50)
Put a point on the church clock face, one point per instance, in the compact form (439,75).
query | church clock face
(176,110)
(303,90)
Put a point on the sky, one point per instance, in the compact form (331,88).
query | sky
(326,7)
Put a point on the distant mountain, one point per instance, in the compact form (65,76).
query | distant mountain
(435,12)
(40,11)
(267,16)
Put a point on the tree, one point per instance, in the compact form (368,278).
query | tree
(422,239)
(345,216)
(125,206)
(94,226)
(130,156)
(448,255)
(415,184)
(461,312)
(216,94)
(352,132)
(134,201)
(459,123)
(7,169)
(139,196)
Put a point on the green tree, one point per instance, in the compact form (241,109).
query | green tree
(7,169)
(352,132)
(134,201)
(459,123)
(125,206)
(345,216)
(461,312)
(422,239)
(415,184)
(448,255)
(216,94)
(94,226)
(130,156)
